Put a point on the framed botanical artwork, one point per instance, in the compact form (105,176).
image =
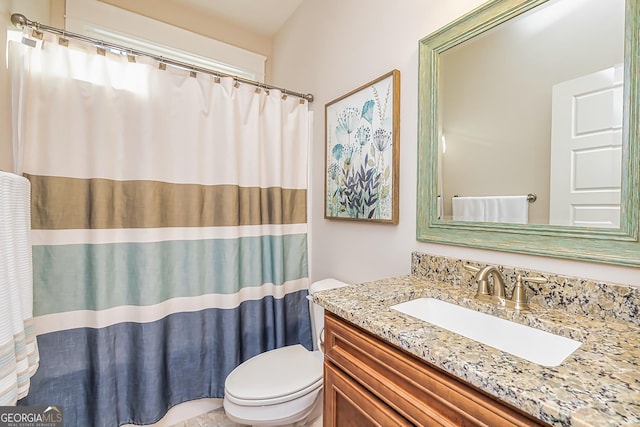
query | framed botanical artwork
(362,142)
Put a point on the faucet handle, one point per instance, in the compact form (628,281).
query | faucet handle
(483,286)
(519,299)
(471,268)
(532,279)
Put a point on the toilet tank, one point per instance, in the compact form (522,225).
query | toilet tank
(317,312)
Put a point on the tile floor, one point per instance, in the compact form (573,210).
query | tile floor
(217,418)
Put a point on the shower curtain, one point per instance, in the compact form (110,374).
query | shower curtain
(169,228)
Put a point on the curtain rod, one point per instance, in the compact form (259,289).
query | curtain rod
(19,20)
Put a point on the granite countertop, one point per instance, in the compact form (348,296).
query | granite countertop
(597,385)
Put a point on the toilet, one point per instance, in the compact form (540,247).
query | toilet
(281,387)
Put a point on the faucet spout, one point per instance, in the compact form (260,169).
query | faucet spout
(498,291)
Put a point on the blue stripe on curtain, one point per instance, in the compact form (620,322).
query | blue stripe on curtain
(184,356)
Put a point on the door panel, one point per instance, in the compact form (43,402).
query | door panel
(586,150)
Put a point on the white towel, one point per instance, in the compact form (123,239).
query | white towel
(468,208)
(18,348)
(509,209)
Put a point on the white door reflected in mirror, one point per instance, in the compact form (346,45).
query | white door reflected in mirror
(586,150)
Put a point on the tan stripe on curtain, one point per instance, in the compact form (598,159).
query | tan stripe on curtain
(73,203)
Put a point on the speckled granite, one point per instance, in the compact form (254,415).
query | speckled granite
(590,298)
(598,385)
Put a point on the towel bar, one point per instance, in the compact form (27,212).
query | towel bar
(531,197)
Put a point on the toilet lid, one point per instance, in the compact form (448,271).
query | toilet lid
(273,377)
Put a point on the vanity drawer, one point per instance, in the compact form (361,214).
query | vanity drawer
(421,393)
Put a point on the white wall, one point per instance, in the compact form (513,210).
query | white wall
(331,47)
(187,15)
(87,16)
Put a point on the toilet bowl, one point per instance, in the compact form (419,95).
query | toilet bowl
(283,386)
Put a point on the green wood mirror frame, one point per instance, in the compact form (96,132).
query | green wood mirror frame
(614,246)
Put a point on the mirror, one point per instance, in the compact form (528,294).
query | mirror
(497,111)
(507,109)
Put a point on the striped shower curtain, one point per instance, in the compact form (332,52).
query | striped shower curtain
(169,228)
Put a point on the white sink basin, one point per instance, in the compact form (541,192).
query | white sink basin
(532,344)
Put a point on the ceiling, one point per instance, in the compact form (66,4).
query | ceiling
(259,16)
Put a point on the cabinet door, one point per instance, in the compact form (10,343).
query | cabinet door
(348,404)
(418,391)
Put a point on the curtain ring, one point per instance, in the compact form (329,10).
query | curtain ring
(101,50)
(36,33)
(62,41)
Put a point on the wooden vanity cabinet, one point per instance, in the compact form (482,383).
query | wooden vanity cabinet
(369,382)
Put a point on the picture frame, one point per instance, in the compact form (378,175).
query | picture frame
(362,150)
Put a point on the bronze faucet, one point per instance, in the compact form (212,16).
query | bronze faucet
(496,293)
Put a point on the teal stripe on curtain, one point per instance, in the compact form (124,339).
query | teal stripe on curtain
(149,273)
